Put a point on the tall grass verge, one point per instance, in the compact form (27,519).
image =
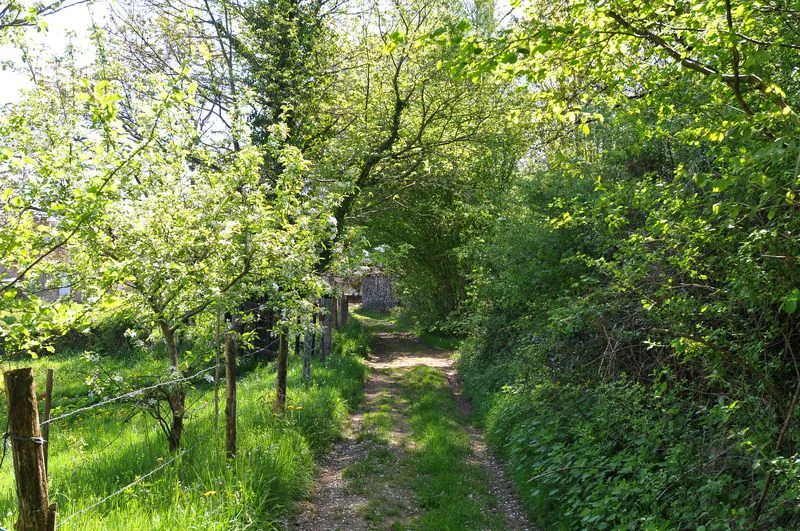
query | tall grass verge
(95,455)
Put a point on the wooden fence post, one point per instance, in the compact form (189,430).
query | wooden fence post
(48,404)
(326,318)
(51,517)
(217,347)
(230,396)
(283,361)
(27,448)
(308,350)
(344,310)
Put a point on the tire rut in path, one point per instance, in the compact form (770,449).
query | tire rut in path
(344,500)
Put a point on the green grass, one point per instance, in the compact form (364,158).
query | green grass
(73,372)
(384,322)
(353,338)
(451,490)
(434,459)
(92,456)
(374,321)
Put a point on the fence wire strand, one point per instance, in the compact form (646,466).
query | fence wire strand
(136,392)
(126,487)
(161,466)
(129,394)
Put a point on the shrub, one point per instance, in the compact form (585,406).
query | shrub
(620,456)
(108,335)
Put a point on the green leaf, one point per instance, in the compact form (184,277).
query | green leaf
(790,301)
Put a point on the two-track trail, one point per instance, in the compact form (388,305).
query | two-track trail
(410,459)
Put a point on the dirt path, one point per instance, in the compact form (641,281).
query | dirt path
(367,480)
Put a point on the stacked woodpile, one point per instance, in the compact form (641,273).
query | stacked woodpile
(377,293)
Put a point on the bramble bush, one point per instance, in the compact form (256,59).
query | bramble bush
(629,353)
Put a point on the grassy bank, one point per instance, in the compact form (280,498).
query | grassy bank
(93,456)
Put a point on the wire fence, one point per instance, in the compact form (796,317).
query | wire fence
(6,436)
(117,492)
(129,394)
(136,392)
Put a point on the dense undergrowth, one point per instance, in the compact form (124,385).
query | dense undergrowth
(618,456)
(629,356)
(94,455)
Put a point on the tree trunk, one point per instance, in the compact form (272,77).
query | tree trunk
(172,347)
(177,397)
(177,404)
